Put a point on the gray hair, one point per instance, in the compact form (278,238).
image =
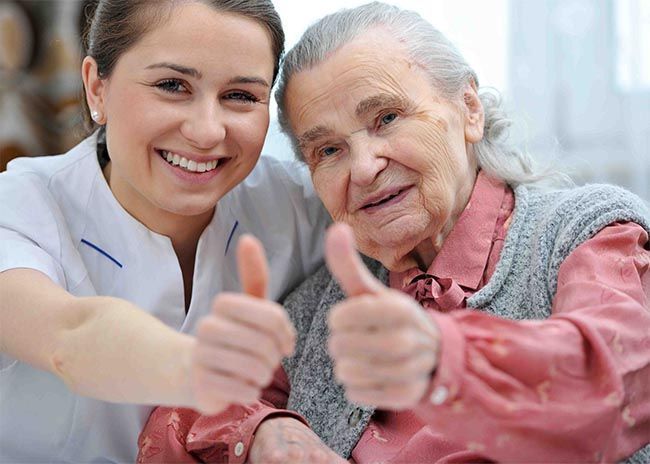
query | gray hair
(445,66)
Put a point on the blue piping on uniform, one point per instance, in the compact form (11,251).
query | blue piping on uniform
(232,232)
(95,247)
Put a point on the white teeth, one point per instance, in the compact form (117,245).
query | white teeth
(188,165)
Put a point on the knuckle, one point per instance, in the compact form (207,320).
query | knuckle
(205,327)
(276,456)
(334,345)
(406,341)
(221,302)
(341,371)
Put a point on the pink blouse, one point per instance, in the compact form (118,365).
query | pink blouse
(573,387)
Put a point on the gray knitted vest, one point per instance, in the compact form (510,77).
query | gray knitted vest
(546,228)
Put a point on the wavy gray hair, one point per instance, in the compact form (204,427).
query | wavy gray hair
(445,66)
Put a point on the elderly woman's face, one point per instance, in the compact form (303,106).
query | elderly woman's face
(388,154)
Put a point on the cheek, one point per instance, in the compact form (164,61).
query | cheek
(439,157)
(249,130)
(330,188)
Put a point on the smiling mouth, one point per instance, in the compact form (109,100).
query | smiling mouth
(383,200)
(190,165)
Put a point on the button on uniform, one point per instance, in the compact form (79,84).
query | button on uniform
(239,449)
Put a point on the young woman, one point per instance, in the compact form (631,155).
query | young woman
(112,253)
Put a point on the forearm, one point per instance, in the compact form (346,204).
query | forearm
(120,353)
(546,389)
(106,348)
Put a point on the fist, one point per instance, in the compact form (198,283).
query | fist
(383,345)
(241,343)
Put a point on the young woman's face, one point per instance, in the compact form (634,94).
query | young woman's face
(186,112)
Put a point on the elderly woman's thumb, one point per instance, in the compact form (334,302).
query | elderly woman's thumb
(346,265)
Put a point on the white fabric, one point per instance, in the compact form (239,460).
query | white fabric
(49,205)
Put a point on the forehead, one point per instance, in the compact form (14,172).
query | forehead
(200,34)
(373,66)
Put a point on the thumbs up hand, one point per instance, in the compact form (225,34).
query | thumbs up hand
(241,343)
(383,345)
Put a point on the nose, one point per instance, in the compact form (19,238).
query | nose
(204,126)
(368,159)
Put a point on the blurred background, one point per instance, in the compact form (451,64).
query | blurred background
(574,74)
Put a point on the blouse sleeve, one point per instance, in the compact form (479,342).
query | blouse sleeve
(182,435)
(571,388)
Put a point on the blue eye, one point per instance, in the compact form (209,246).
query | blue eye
(329,151)
(388,118)
(171,86)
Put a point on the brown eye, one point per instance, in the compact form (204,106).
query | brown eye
(171,86)
(243,97)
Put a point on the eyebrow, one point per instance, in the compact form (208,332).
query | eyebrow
(378,101)
(365,106)
(198,75)
(249,80)
(312,135)
(178,68)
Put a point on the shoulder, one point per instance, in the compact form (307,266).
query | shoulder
(270,173)
(50,167)
(586,208)
(557,222)
(284,186)
(277,201)
(35,191)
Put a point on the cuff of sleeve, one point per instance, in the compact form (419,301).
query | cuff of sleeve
(240,443)
(228,436)
(446,381)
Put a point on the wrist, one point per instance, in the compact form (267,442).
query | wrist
(182,381)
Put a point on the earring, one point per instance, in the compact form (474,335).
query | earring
(94,114)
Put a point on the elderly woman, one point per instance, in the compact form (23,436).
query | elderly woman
(497,319)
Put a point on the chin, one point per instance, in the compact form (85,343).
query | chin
(396,236)
(191,207)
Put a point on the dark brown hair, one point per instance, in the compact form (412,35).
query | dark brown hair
(114,26)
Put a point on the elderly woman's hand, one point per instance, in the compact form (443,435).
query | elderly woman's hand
(284,440)
(383,345)
(240,344)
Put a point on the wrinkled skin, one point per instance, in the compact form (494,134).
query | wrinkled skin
(370,125)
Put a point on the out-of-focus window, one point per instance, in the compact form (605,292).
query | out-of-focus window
(479,28)
(633,44)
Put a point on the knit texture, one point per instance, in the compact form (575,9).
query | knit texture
(546,227)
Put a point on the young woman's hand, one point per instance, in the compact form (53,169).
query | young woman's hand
(241,343)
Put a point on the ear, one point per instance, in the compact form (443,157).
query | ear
(94,88)
(474,114)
